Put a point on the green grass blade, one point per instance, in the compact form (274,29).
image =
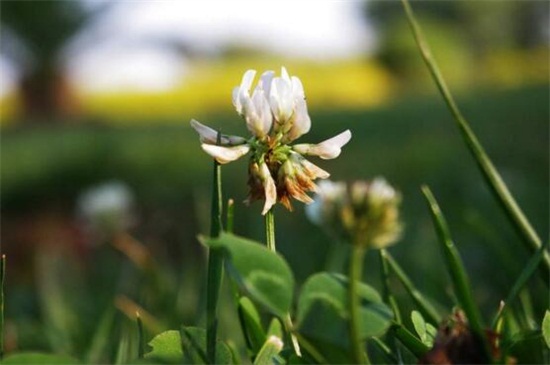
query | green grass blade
(215,265)
(520,282)
(493,179)
(386,292)
(456,269)
(2,276)
(100,340)
(424,306)
(409,340)
(141,336)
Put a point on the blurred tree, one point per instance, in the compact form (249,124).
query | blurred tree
(473,30)
(34,34)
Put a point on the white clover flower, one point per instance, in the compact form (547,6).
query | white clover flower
(276,114)
(364,213)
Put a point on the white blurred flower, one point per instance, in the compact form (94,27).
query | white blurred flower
(276,114)
(106,208)
(364,213)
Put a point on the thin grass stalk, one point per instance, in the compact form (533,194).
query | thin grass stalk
(141,336)
(520,282)
(215,265)
(493,179)
(2,277)
(457,272)
(387,294)
(409,340)
(424,306)
(355,275)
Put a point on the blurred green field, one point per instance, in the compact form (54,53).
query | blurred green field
(411,141)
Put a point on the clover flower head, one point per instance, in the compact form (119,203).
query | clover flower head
(275,113)
(363,212)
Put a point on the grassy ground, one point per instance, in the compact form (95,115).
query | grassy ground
(410,142)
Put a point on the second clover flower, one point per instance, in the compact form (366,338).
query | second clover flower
(276,115)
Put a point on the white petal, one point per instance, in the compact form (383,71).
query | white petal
(209,135)
(265,82)
(236,99)
(284,74)
(247,80)
(269,188)
(257,114)
(281,100)
(315,170)
(328,149)
(297,88)
(301,123)
(226,154)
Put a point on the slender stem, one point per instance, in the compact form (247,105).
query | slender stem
(270,242)
(388,296)
(355,275)
(270,230)
(215,266)
(141,336)
(492,177)
(2,276)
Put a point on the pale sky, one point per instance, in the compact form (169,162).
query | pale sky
(111,54)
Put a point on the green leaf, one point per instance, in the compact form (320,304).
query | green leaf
(416,347)
(528,347)
(546,328)
(263,274)
(252,325)
(32,358)
(275,328)
(269,351)
(167,347)
(323,310)
(425,331)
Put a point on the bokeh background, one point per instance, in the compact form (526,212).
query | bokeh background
(97,151)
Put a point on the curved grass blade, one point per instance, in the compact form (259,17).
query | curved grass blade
(424,306)
(520,282)
(456,270)
(493,179)
(409,340)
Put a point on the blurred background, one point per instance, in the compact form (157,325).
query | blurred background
(104,186)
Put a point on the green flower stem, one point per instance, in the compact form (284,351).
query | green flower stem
(215,266)
(270,230)
(493,179)
(2,276)
(355,275)
(270,242)
(425,307)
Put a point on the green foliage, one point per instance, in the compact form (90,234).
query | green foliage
(189,345)
(254,333)
(546,328)
(425,331)
(263,274)
(32,358)
(324,295)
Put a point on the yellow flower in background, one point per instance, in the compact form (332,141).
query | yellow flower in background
(276,114)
